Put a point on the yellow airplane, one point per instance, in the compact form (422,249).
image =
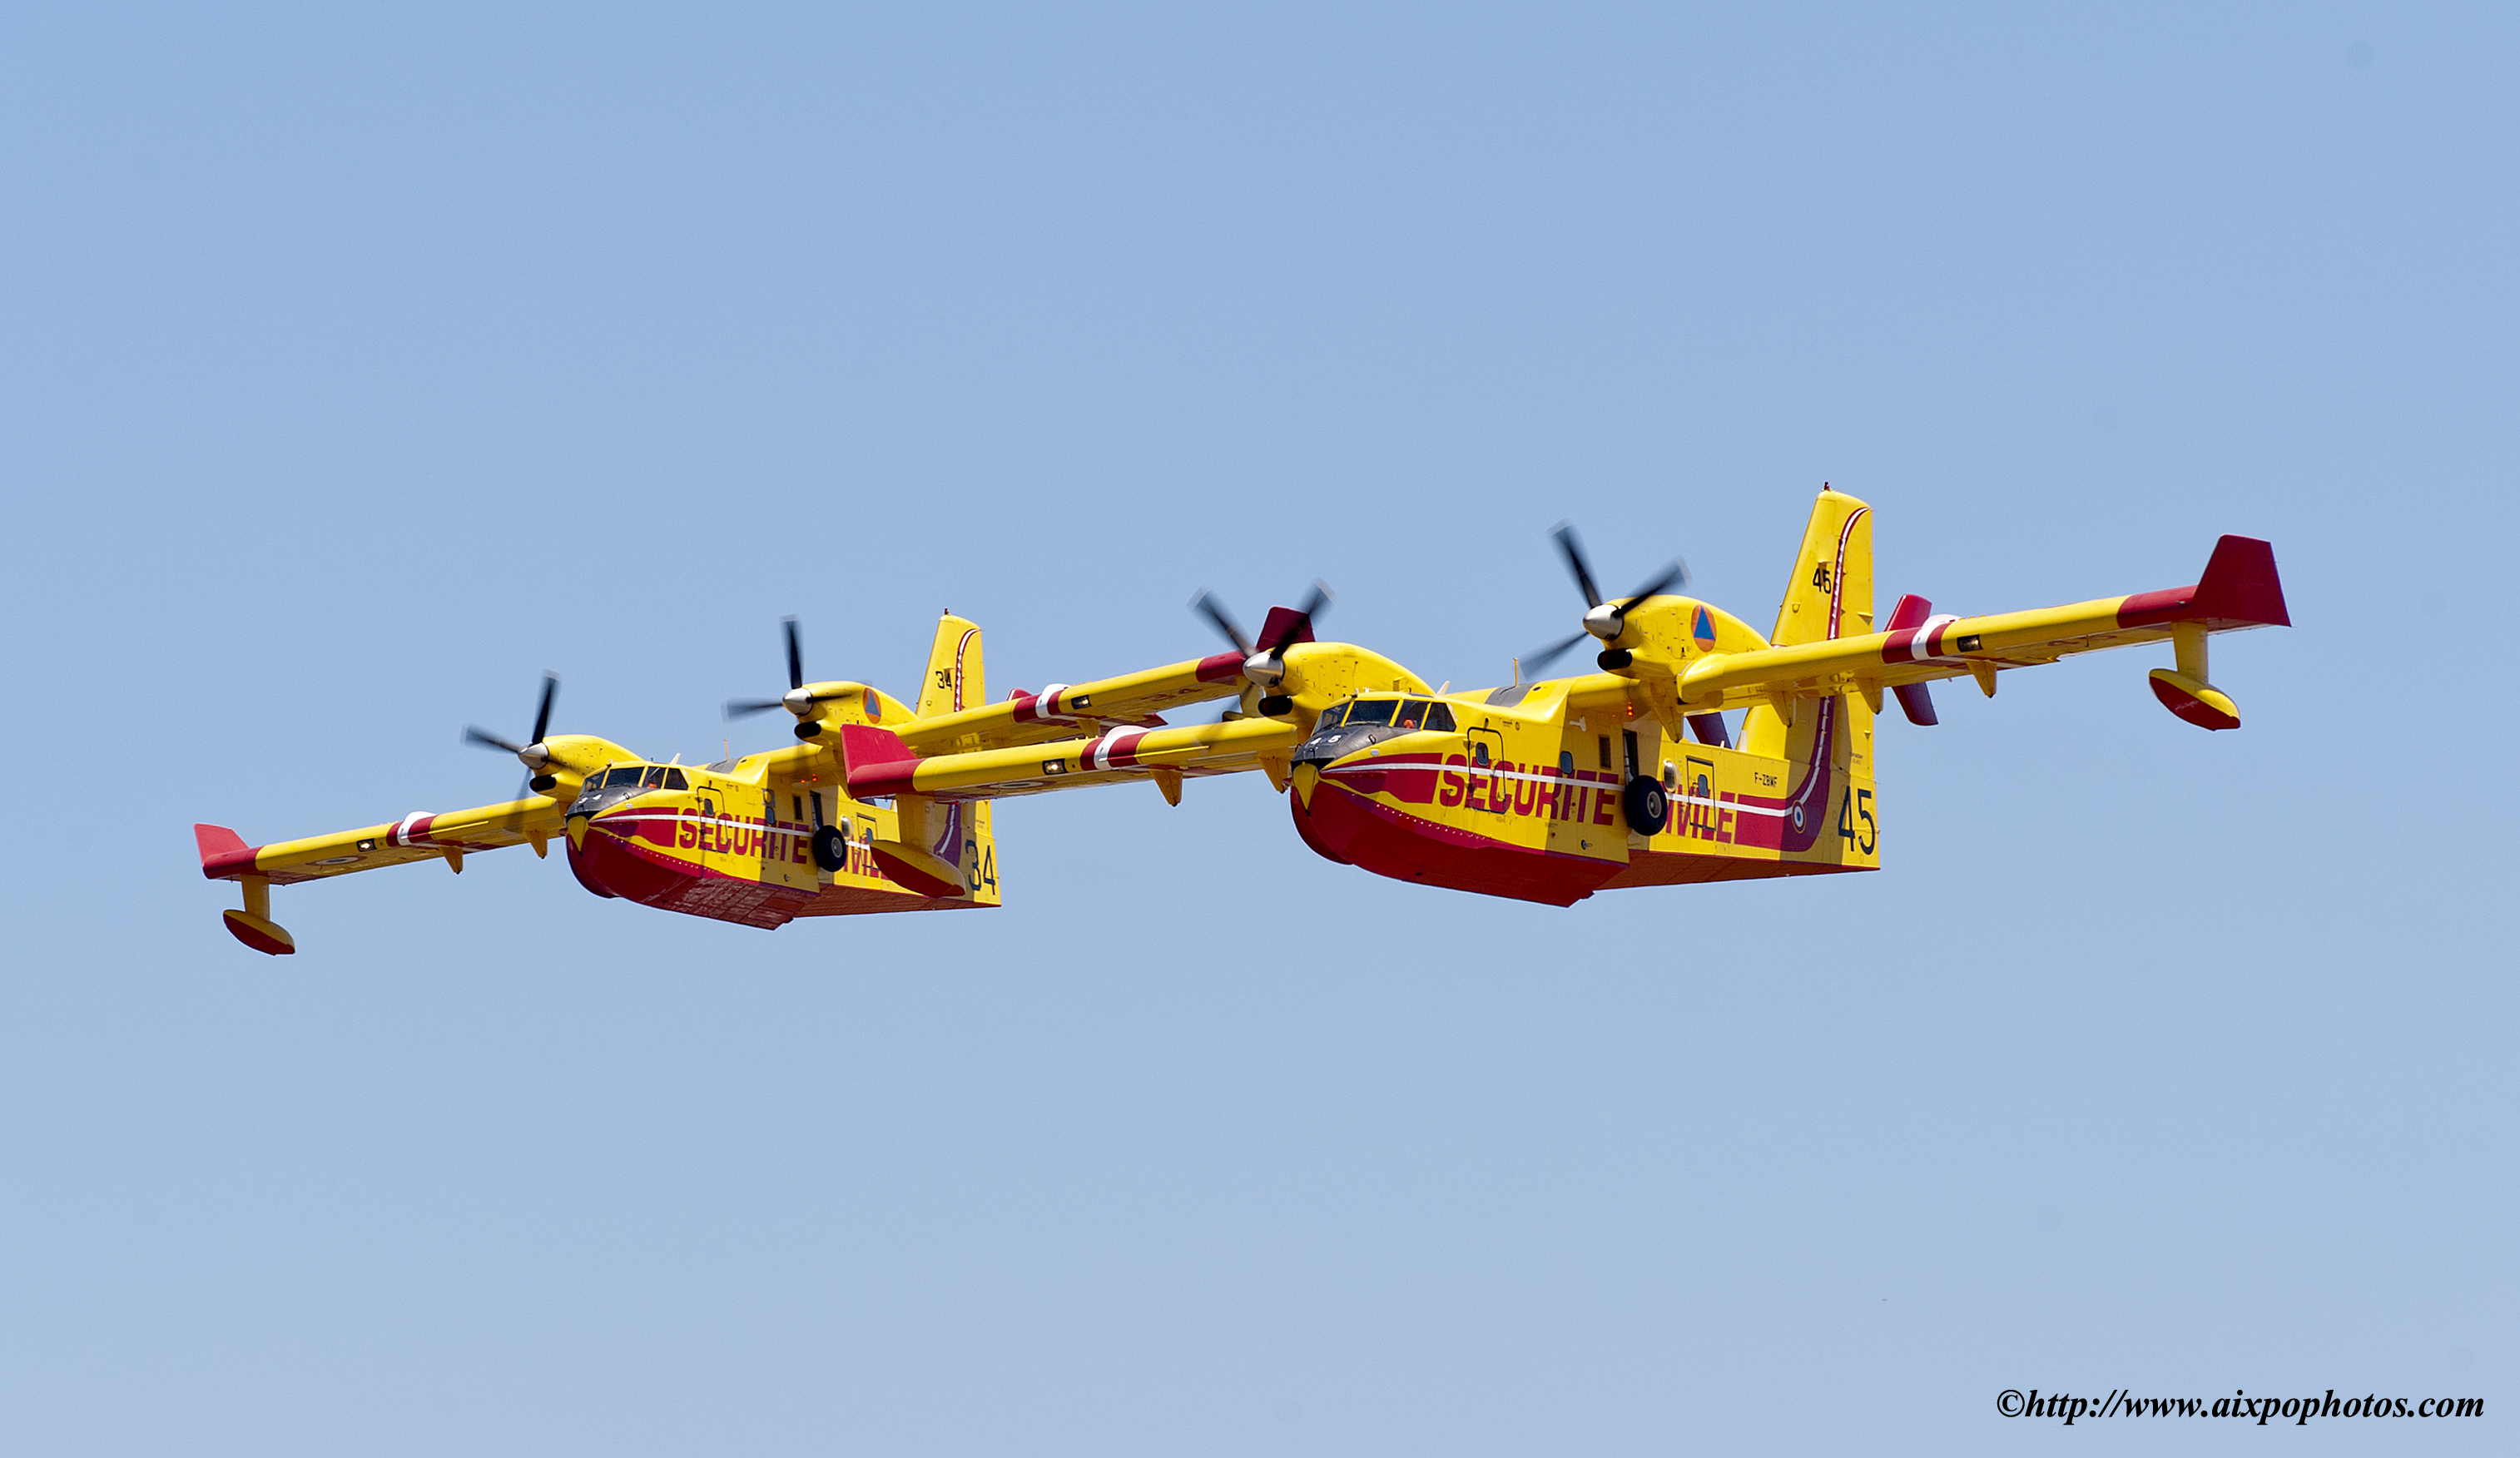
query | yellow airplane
(758,839)
(1549,791)
(1546,790)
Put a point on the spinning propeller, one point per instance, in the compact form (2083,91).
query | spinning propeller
(536,756)
(1602,619)
(795,700)
(1264,662)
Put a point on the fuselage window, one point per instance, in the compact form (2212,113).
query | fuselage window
(1370,711)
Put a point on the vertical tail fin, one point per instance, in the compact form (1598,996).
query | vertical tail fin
(955,677)
(1829,595)
(946,850)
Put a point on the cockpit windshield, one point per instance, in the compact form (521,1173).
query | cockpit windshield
(1421,713)
(1408,715)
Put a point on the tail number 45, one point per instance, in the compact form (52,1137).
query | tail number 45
(1853,808)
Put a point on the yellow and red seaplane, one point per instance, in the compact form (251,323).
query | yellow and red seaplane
(1550,790)
(759,839)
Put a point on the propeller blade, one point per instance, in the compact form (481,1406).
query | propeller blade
(1206,603)
(1671,576)
(475,734)
(1563,534)
(739,709)
(1302,620)
(796,656)
(542,715)
(1537,660)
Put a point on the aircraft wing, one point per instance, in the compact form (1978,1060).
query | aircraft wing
(419,836)
(885,763)
(1062,711)
(2238,590)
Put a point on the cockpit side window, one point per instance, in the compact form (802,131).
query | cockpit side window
(674,779)
(1370,711)
(655,779)
(1411,714)
(1439,717)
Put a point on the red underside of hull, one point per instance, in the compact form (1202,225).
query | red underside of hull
(609,867)
(1349,828)
(1666,867)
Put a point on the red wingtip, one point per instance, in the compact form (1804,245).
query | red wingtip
(2239,591)
(224,853)
(2240,584)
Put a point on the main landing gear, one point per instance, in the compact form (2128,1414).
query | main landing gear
(1646,805)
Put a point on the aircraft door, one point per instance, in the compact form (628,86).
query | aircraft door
(784,857)
(1487,751)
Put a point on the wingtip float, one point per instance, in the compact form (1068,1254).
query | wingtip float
(1698,749)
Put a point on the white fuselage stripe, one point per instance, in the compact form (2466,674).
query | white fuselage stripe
(1566,780)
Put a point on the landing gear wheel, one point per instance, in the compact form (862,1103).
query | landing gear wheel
(1647,808)
(831,849)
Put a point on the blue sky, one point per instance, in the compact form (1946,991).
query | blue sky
(358,368)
